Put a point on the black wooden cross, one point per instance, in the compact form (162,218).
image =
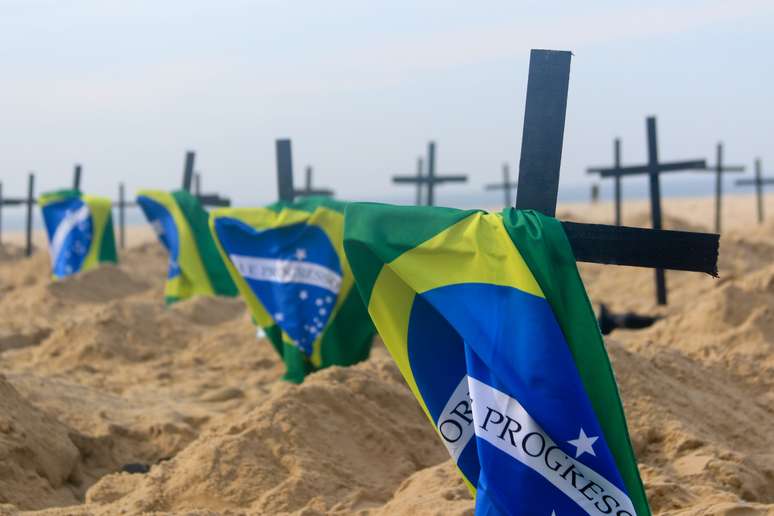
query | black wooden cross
(77,177)
(29,202)
(719,170)
(541,153)
(285,189)
(430,179)
(192,180)
(420,169)
(506,186)
(615,172)
(309,190)
(758,181)
(653,169)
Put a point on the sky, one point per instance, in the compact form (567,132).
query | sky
(126,87)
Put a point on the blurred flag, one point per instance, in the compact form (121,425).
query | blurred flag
(489,322)
(288,261)
(195,266)
(79,229)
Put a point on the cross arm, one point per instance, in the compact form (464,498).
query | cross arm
(499,186)
(426,179)
(213,200)
(639,247)
(320,191)
(675,166)
(15,201)
(730,168)
(763,181)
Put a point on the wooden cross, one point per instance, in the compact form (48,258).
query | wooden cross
(285,189)
(506,186)
(758,181)
(615,172)
(193,179)
(420,169)
(308,190)
(653,169)
(77,177)
(719,170)
(541,153)
(29,202)
(430,180)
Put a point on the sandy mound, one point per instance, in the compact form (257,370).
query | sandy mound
(39,464)
(335,444)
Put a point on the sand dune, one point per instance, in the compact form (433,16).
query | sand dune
(98,374)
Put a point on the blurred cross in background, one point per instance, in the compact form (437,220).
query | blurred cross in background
(507,186)
(758,181)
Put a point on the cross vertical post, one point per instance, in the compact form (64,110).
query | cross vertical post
(418,201)
(188,170)
(718,185)
(77,177)
(308,183)
(431,173)
(543,133)
(121,215)
(197,180)
(30,203)
(759,189)
(617,184)
(655,201)
(285,189)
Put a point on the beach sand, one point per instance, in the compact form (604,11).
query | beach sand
(96,373)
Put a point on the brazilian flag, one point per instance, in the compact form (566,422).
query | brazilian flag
(195,266)
(79,229)
(288,261)
(489,323)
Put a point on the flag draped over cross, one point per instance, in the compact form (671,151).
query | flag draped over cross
(758,181)
(430,179)
(538,180)
(192,184)
(653,169)
(309,190)
(507,186)
(77,177)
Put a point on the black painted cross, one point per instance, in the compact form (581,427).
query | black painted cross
(541,153)
(719,170)
(758,181)
(29,202)
(309,190)
(192,179)
(653,169)
(285,189)
(430,179)
(506,186)
(615,172)
(420,169)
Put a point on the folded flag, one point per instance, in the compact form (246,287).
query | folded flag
(195,266)
(288,261)
(489,323)
(79,229)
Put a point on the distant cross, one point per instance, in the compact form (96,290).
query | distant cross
(431,179)
(192,184)
(758,181)
(285,189)
(29,202)
(77,177)
(309,190)
(1,212)
(616,173)
(653,169)
(719,170)
(507,186)
(121,215)
(541,153)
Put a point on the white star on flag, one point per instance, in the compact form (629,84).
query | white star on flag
(303,294)
(318,302)
(583,444)
(279,317)
(323,311)
(300,253)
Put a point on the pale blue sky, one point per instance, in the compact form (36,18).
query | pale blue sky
(125,87)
